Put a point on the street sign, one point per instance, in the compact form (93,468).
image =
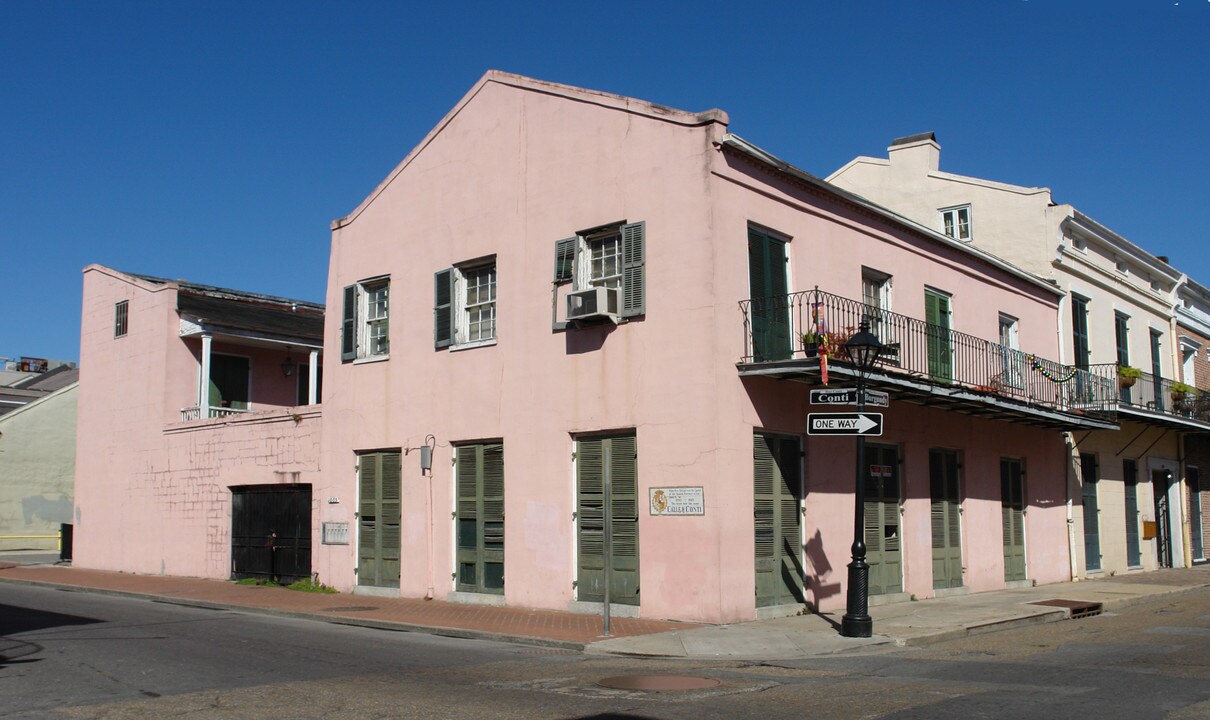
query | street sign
(844,423)
(848,396)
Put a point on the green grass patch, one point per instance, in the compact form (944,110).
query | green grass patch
(309,585)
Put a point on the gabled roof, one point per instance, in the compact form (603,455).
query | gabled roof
(595,97)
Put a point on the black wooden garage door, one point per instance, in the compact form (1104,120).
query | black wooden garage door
(271,532)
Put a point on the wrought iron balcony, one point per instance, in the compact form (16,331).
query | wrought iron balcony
(1153,395)
(796,332)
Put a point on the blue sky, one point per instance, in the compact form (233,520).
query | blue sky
(216,141)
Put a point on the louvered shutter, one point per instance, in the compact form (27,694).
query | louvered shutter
(443,308)
(1130,479)
(493,517)
(367,520)
(634,258)
(1092,535)
(946,528)
(590,517)
(348,325)
(623,492)
(937,315)
(391,518)
(565,260)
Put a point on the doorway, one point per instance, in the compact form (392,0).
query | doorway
(271,532)
(777,513)
(882,532)
(1160,482)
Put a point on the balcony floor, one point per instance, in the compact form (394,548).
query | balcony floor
(922,391)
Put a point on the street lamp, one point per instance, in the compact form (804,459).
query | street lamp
(862,351)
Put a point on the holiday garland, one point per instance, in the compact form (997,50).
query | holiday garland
(1036,365)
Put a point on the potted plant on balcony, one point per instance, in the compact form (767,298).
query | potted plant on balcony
(810,343)
(1180,392)
(1128,375)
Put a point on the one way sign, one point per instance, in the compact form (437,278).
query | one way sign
(844,423)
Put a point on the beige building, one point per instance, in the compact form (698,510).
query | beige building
(37,469)
(1193,335)
(1126,487)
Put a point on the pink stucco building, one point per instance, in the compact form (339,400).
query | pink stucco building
(560,288)
(560,294)
(172,473)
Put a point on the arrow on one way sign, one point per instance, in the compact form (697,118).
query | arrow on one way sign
(844,423)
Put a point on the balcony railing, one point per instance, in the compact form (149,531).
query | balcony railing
(195,413)
(808,324)
(1157,394)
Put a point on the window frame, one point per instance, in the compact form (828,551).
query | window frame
(952,214)
(452,307)
(359,330)
(573,264)
(121,318)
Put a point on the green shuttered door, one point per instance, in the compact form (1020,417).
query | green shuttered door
(778,520)
(1012,512)
(480,518)
(615,458)
(767,285)
(947,533)
(378,536)
(940,351)
(882,520)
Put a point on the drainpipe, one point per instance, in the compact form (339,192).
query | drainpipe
(1069,442)
(428,595)
(313,378)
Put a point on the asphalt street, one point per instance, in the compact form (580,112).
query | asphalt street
(76,654)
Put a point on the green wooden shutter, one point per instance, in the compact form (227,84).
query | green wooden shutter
(1079,331)
(367,520)
(946,529)
(634,259)
(1130,479)
(348,325)
(882,520)
(770,315)
(480,518)
(493,518)
(617,459)
(777,520)
(565,256)
(1012,518)
(940,356)
(1197,542)
(391,519)
(1092,532)
(443,308)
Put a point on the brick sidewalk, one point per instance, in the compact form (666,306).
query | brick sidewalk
(545,627)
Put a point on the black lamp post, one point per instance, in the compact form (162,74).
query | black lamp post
(862,350)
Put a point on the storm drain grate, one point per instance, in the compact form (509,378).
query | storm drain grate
(1076,609)
(658,683)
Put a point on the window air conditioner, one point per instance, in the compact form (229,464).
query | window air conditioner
(593,304)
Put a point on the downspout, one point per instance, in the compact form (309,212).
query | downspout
(1070,448)
(428,595)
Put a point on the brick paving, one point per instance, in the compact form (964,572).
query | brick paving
(547,627)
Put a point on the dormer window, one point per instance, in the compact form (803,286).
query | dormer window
(956,222)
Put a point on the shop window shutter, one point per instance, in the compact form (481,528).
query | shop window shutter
(348,326)
(443,308)
(634,257)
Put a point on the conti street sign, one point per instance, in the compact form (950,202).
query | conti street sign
(848,396)
(844,423)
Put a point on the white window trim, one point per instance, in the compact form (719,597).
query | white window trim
(1013,374)
(363,320)
(460,311)
(582,274)
(970,222)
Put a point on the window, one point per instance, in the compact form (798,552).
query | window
(365,327)
(1010,352)
(121,310)
(1121,331)
(610,256)
(956,222)
(940,348)
(876,294)
(1092,532)
(464,312)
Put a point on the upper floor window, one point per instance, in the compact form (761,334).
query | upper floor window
(610,256)
(1079,331)
(121,311)
(365,326)
(876,295)
(956,222)
(464,308)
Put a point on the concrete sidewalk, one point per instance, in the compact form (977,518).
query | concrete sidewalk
(898,624)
